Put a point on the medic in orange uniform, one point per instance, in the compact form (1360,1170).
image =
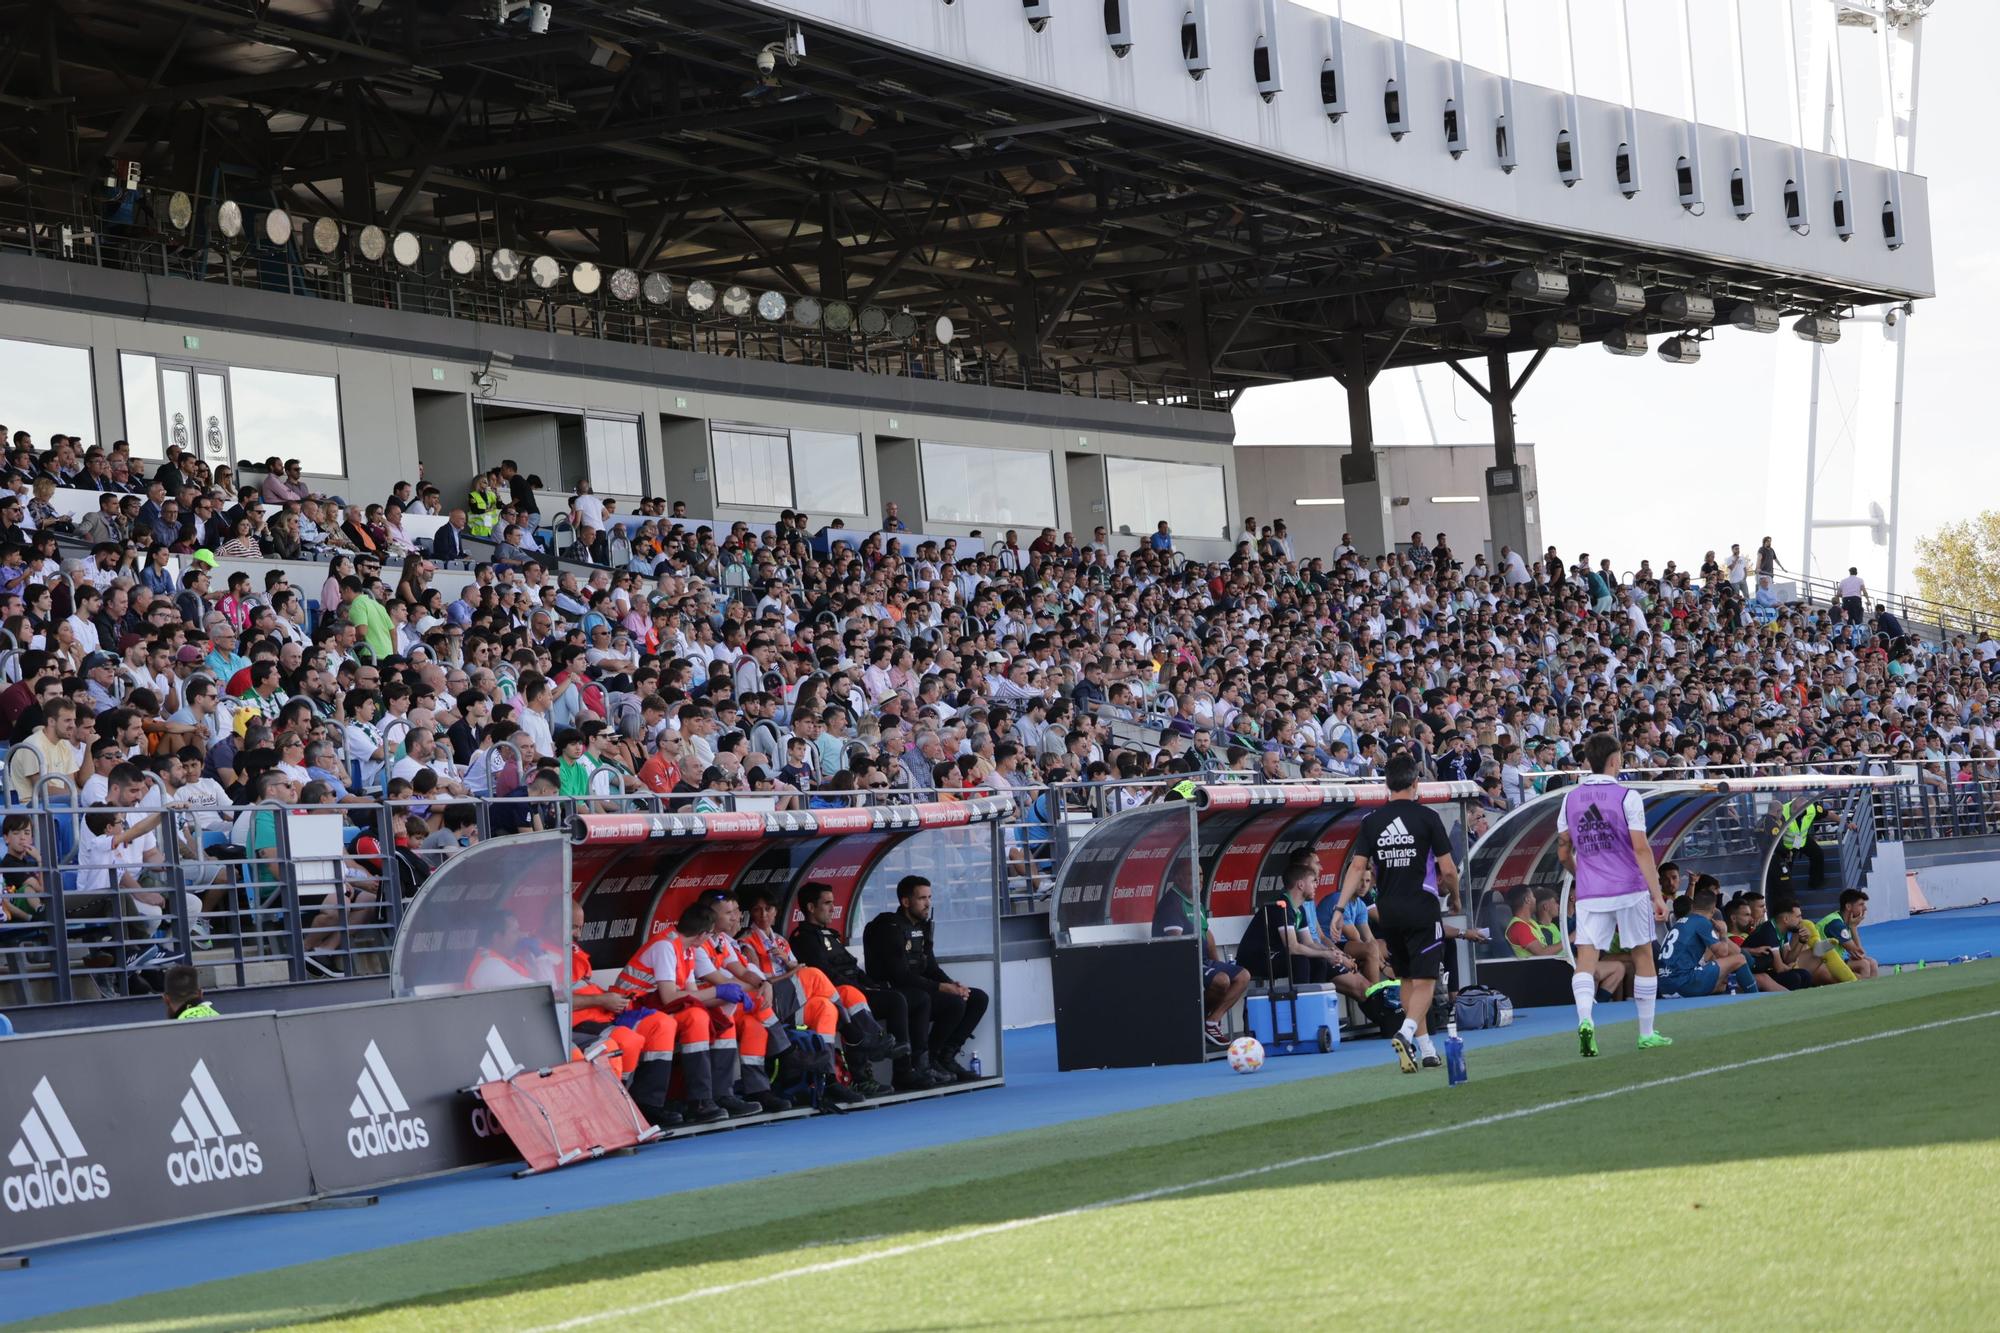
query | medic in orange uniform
(670,973)
(821,1005)
(642,1046)
(760,1035)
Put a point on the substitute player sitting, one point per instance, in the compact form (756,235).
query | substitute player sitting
(1696,958)
(1841,932)
(1406,844)
(1601,840)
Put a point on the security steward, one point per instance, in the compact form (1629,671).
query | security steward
(182,992)
(900,956)
(1795,839)
(818,943)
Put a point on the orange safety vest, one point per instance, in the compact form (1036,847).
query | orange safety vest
(639,981)
(482,955)
(774,955)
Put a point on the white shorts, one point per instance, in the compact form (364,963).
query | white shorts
(1629,916)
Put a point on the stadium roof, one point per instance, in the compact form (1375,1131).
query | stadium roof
(1051,232)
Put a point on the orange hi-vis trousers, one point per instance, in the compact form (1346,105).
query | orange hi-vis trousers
(824,1004)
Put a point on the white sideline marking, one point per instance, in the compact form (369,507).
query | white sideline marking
(1146,1196)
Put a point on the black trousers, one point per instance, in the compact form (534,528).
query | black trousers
(891,1009)
(940,1023)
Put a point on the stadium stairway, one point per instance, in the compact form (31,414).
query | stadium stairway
(70,1276)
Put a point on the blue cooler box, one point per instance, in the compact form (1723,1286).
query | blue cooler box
(1318,1007)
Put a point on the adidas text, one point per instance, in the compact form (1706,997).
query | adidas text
(217,1161)
(378,1138)
(52,1187)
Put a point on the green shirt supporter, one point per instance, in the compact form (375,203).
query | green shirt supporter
(201,1010)
(367,613)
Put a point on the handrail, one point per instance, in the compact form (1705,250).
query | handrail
(1912,611)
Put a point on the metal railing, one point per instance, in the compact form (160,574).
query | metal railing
(149,245)
(1936,621)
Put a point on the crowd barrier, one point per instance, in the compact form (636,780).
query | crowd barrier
(122,1128)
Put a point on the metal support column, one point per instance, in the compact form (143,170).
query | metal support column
(1362,488)
(1506,486)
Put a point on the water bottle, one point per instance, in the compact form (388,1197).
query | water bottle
(1454,1055)
(975,1065)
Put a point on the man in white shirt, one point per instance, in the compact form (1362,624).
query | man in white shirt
(534,714)
(1854,596)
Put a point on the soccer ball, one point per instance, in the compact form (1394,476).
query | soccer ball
(1246,1055)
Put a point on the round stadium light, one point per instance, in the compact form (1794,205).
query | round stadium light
(658,289)
(229,219)
(373,243)
(544,271)
(839,316)
(1683,349)
(902,326)
(944,330)
(461,258)
(736,302)
(586,278)
(505,266)
(806,312)
(771,307)
(326,235)
(874,320)
(278,227)
(701,296)
(406,249)
(625,284)
(180,210)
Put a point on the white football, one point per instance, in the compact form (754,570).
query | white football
(1246,1055)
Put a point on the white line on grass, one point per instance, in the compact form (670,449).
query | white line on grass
(1146,1196)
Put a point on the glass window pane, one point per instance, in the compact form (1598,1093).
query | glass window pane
(1189,496)
(140,376)
(828,469)
(288,414)
(46,390)
(752,469)
(967,484)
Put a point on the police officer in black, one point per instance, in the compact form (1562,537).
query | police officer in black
(819,943)
(942,1012)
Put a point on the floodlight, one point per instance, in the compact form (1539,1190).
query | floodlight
(1691,308)
(326,235)
(1814,328)
(1411,312)
(874,321)
(373,243)
(839,316)
(701,296)
(586,278)
(735,302)
(944,330)
(657,289)
(806,312)
(1626,342)
(1618,296)
(180,210)
(771,306)
(1541,284)
(1563,333)
(229,219)
(1755,317)
(625,284)
(1683,349)
(902,326)
(406,249)
(461,258)
(1486,322)
(544,271)
(278,227)
(505,266)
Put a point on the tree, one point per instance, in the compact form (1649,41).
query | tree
(1959,566)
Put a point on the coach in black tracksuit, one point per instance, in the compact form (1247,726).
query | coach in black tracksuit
(942,1012)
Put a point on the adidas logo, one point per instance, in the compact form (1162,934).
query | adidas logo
(1395,834)
(379,1103)
(1594,816)
(497,1063)
(48,1172)
(208,1130)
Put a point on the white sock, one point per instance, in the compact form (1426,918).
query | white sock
(1409,1029)
(1646,990)
(1583,986)
(1424,1046)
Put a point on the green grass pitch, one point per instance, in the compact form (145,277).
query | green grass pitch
(1825,1157)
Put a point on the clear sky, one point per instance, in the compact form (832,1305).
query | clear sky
(1640,459)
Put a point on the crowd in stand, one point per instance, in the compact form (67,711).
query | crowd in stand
(662,658)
